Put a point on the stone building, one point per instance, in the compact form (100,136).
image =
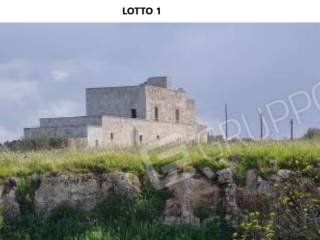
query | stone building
(128,116)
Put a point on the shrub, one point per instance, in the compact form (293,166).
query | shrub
(312,133)
(44,142)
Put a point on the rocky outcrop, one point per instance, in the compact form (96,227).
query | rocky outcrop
(82,191)
(8,200)
(225,176)
(188,195)
(223,195)
(206,188)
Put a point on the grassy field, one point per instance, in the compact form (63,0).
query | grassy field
(267,157)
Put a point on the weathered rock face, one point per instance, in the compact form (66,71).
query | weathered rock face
(8,198)
(188,195)
(224,196)
(126,185)
(83,191)
(207,189)
(208,172)
(225,176)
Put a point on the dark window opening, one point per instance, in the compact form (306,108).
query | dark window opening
(133,113)
(177,115)
(141,138)
(156,113)
(111,136)
(158,137)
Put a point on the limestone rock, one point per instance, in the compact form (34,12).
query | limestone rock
(126,185)
(264,187)
(251,178)
(284,173)
(275,178)
(8,198)
(207,172)
(83,191)
(188,195)
(231,198)
(225,176)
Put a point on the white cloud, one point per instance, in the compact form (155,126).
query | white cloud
(62,108)
(6,135)
(59,75)
(17,90)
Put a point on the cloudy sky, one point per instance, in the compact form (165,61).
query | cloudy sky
(44,69)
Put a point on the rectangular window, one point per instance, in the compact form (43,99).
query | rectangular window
(156,113)
(111,136)
(133,113)
(141,138)
(177,115)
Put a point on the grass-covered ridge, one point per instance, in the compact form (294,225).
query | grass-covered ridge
(139,219)
(265,156)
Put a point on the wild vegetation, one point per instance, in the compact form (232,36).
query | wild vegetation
(138,219)
(114,219)
(48,142)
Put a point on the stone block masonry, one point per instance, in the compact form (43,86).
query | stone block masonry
(127,116)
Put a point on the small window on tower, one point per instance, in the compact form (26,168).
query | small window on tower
(133,113)
(177,115)
(141,138)
(111,136)
(156,113)
(158,137)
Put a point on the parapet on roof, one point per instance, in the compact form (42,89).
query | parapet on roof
(160,81)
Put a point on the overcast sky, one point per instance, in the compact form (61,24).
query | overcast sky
(45,68)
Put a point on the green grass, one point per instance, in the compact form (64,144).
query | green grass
(267,157)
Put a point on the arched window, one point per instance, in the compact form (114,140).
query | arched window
(156,113)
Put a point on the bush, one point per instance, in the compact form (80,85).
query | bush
(43,143)
(295,214)
(312,133)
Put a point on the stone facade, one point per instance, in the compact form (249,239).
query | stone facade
(127,116)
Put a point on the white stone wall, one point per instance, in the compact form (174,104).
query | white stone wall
(167,102)
(109,113)
(95,136)
(70,121)
(116,101)
(126,132)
